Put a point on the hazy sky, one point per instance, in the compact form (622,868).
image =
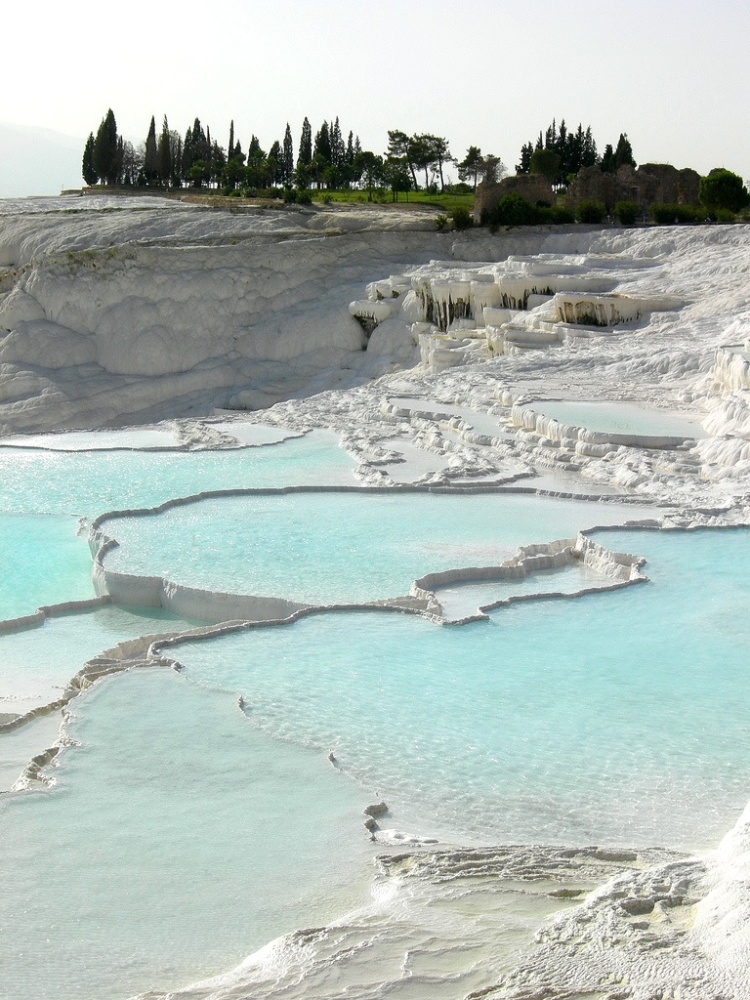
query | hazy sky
(673,74)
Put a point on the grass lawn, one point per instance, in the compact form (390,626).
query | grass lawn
(441,202)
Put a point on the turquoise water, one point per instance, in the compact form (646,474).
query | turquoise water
(43,561)
(184,832)
(336,548)
(177,840)
(38,663)
(90,483)
(619,718)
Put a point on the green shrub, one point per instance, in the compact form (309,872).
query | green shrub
(562,215)
(512,210)
(627,212)
(591,212)
(303,197)
(290,195)
(723,190)
(441,221)
(668,214)
(555,215)
(724,215)
(461,218)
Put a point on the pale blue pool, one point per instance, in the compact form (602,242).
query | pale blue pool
(43,561)
(339,547)
(89,483)
(177,841)
(618,718)
(184,831)
(43,493)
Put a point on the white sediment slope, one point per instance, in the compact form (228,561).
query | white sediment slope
(432,355)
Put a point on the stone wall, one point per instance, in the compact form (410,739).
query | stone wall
(650,183)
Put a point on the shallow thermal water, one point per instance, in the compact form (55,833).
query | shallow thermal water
(187,828)
(44,561)
(176,840)
(618,718)
(619,418)
(326,548)
(44,492)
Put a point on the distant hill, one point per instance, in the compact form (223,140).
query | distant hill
(38,161)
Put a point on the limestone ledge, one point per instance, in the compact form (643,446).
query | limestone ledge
(619,568)
(580,439)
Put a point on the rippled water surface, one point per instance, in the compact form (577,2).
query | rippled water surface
(336,548)
(620,717)
(195,815)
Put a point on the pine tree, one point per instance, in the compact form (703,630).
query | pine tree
(287,157)
(524,164)
(230,147)
(608,160)
(471,165)
(150,159)
(624,152)
(87,167)
(105,158)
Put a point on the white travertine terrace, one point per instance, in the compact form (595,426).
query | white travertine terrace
(131,316)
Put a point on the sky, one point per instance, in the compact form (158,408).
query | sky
(490,73)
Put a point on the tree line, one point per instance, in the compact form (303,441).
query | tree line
(559,153)
(324,159)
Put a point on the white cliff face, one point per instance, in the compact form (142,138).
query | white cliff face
(137,313)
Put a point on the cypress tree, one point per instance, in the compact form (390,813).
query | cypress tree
(322,150)
(338,150)
(119,159)
(104,158)
(150,160)
(524,164)
(287,157)
(87,168)
(164,154)
(608,160)
(590,155)
(304,156)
